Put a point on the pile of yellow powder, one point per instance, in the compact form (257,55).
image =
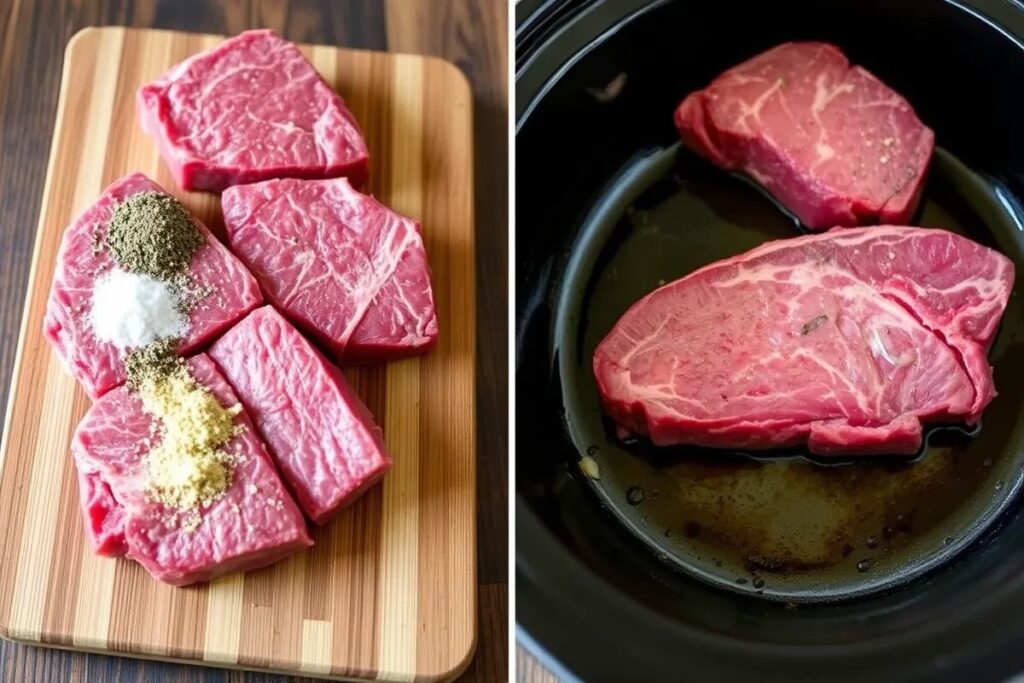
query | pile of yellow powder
(187,469)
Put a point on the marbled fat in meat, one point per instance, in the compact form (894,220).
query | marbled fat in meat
(250,109)
(253,523)
(321,435)
(846,341)
(830,141)
(339,264)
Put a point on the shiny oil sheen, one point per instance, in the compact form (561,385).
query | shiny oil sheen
(776,524)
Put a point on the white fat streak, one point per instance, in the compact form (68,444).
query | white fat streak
(879,348)
(823,94)
(824,151)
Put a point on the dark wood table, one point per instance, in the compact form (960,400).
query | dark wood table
(470,33)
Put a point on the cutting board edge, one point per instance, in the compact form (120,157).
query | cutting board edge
(109,652)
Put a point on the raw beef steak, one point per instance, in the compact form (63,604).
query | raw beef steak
(322,437)
(103,516)
(341,265)
(255,521)
(99,365)
(830,141)
(250,109)
(846,341)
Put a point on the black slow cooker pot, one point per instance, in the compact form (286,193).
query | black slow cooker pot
(607,207)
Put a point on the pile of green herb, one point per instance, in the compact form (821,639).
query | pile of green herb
(151,233)
(151,362)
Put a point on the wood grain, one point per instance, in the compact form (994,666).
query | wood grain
(529,670)
(393,597)
(456,30)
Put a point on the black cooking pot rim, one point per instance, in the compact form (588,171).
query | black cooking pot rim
(556,24)
(565,40)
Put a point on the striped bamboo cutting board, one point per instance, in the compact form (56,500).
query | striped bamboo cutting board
(388,591)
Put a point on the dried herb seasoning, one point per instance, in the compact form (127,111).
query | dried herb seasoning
(153,234)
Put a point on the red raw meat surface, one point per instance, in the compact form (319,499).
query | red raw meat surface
(322,437)
(846,341)
(99,365)
(250,109)
(831,142)
(103,516)
(253,524)
(339,264)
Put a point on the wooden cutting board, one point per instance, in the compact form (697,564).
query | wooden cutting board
(389,589)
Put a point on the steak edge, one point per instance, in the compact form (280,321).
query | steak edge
(346,269)
(254,523)
(250,109)
(830,141)
(320,434)
(846,341)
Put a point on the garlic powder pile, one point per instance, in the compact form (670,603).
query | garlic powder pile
(187,469)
